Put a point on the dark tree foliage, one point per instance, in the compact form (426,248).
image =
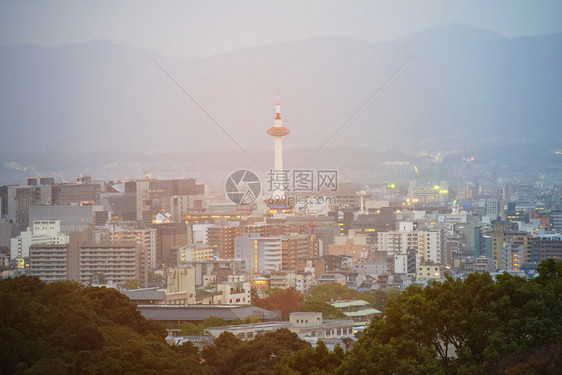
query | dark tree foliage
(332,292)
(459,326)
(247,320)
(378,298)
(546,360)
(139,357)
(311,361)
(190,329)
(328,311)
(510,326)
(473,326)
(68,328)
(550,276)
(230,355)
(213,321)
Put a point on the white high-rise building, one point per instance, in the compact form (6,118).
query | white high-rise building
(42,232)
(428,244)
(493,208)
(401,263)
(513,256)
(397,242)
(259,253)
(199,233)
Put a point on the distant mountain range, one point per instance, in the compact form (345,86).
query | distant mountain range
(462,85)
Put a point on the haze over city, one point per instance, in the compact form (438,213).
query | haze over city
(275,187)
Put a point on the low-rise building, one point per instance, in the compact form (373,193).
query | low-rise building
(180,286)
(371,268)
(221,269)
(360,311)
(4,260)
(304,324)
(429,271)
(195,252)
(354,280)
(349,246)
(261,284)
(484,264)
(337,262)
(181,290)
(304,281)
(236,291)
(399,282)
(173,316)
(332,278)
(199,341)
(282,279)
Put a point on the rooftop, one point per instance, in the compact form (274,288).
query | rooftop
(201,312)
(328,276)
(145,294)
(362,312)
(350,303)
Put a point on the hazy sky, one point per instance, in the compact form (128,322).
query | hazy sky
(175,27)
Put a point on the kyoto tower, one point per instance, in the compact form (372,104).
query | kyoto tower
(278,131)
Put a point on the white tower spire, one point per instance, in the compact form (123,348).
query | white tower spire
(278,131)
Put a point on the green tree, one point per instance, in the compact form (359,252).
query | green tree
(213,321)
(331,292)
(311,361)
(98,278)
(140,357)
(550,276)
(546,360)
(188,349)
(328,311)
(66,327)
(132,284)
(230,355)
(223,352)
(548,270)
(458,326)
(247,320)
(378,298)
(190,329)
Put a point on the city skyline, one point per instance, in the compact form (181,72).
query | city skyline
(411,223)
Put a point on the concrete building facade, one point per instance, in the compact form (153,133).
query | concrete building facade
(49,262)
(261,254)
(117,262)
